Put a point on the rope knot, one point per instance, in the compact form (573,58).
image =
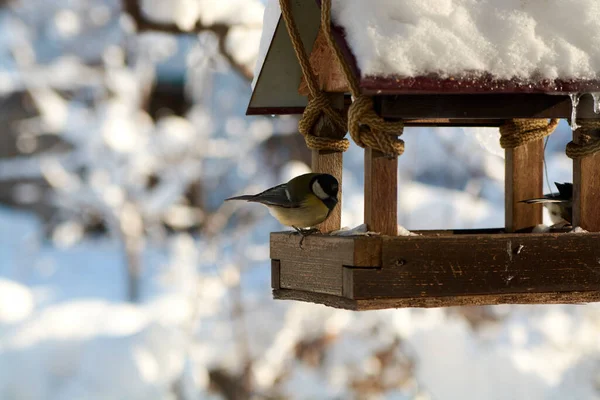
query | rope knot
(588,144)
(368,129)
(319,106)
(520,131)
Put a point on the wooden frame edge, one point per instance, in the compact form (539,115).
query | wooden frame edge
(436,302)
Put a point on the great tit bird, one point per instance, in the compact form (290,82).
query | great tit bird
(560,205)
(303,202)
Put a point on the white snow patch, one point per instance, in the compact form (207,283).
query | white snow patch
(513,38)
(16,302)
(541,228)
(359,230)
(578,229)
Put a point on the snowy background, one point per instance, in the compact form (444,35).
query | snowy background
(123,275)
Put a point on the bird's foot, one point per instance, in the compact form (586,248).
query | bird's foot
(304,233)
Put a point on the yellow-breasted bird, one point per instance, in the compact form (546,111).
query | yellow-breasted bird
(559,205)
(302,202)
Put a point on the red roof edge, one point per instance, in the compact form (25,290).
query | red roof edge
(473,84)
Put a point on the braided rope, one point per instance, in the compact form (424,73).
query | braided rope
(318,103)
(520,131)
(315,107)
(366,128)
(588,145)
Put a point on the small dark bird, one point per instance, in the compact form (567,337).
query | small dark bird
(302,203)
(560,205)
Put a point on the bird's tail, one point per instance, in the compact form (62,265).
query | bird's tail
(246,197)
(542,201)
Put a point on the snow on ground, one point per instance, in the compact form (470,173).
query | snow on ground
(511,38)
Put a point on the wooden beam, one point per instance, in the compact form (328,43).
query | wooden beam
(440,301)
(524,171)
(458,122)
(381,193)
(481,106)
(464,109)
(326,68)
(330,162)
(481,265)
(586,189)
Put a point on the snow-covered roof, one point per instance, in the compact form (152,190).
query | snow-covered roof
(507,39)
(440,46)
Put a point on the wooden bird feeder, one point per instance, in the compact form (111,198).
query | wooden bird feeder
(436,268)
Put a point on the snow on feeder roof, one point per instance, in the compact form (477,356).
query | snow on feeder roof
(526,41)
(426,47)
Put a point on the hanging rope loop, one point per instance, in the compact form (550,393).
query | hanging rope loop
(520,131)
(588,143)
(368,129)
(318,103)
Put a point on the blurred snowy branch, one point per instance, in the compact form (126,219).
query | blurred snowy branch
(187,19)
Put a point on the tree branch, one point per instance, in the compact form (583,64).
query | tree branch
(134,9)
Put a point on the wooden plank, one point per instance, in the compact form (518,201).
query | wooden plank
(381,193)
(524,171)
(586,190)
(311,275)
(453,122)
(482,106)
(419,266)
(330,162)
(434,302)
(326,249)
(481,300)
(447,232)
(359,251)
(326,68)
(317,298)
(275,274)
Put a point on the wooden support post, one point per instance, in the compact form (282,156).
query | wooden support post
(381,193)
(586,190)
(524,172)
(330,162)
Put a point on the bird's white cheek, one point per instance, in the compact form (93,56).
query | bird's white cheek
(318,191)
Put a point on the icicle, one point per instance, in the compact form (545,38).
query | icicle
(596,97)
(574,103)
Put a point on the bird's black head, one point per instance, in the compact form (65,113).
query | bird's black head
(565,190)
(325,187)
